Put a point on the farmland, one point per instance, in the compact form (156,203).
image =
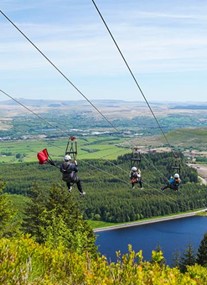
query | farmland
(91,148)
(23,134)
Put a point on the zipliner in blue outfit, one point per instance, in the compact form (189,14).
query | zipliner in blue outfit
(173,183)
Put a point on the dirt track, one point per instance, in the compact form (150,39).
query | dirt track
(202,171)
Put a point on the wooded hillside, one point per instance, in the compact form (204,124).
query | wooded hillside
(109,195)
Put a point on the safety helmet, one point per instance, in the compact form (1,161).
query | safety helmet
(176,175)
(67,157)
(134,168)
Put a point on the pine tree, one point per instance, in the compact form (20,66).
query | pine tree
(202,252)
(8,225)
(56,220)
(176,259)
(188,258)
(31,222)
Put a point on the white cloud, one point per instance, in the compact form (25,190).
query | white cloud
(153,38)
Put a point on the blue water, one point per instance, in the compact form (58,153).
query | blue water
(171,236)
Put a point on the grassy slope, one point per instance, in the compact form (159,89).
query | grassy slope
(195,138)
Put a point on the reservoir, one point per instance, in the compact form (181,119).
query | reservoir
(171,236)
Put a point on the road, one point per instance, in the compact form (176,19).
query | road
(149,221)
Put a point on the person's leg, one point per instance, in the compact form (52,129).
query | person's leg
(79,185)
(175,188)
(69,186)
(140,183)
(165,187)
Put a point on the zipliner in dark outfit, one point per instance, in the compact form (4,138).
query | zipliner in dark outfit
(69,171)
(173,183)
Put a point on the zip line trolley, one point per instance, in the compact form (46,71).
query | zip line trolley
(136,157)
(72,147)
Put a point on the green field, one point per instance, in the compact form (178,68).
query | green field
(195,138)
(91,148)
(97,147)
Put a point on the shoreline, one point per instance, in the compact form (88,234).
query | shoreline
(149,221)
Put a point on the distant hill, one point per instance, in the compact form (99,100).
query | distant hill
(42,103)
(191,107)
(59,103)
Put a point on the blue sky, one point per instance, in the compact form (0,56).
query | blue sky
(163,41)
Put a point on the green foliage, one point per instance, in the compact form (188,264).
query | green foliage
(202,252)
(8,223)
(66,252)
(157,256)
(19,203)
(26,262)
(188,258)
(54,218)
(109,196)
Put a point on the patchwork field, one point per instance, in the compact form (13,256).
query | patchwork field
(23,134)
(93,148)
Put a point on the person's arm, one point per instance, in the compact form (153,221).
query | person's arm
(171,180)
(75,167)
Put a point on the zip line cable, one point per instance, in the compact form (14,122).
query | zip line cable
(116,165)
(39,117)
(123,181)
(73,85)
(158,171)
(63,75)
(59,72)
(125,171)
(24,35)
(28,109)
(149,185)
(99,169)
(34,113)
(133,76)
(54,126)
